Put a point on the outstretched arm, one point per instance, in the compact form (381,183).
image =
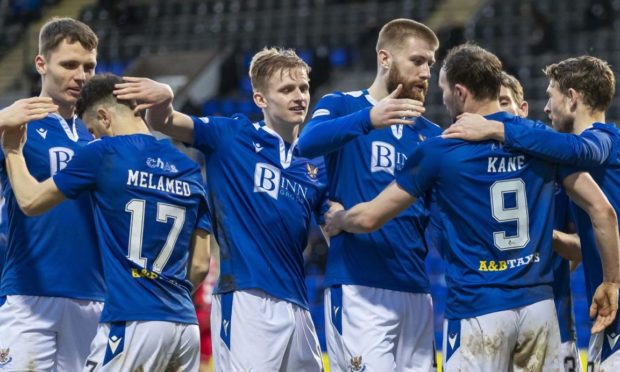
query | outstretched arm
(369,216)
(26,110)
(156,98)
(33,197)
(584,191)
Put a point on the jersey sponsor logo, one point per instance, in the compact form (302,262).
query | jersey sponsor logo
(320,112)
(385,158)
(164,165)
(492,265)
(268,179)
(5,358)
(356,364)
(42,132)
(612,339)
(505,164)
(59,158)
(257,147)
(143,273)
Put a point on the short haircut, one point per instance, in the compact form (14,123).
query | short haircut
(475,68)
(54,31)
(99,89)
(269,61)
(394,33)
(515,87)
(590,76)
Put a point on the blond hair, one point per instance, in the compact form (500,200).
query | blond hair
(394,33)
(271,60)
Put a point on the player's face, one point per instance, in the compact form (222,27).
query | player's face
(95,121)
(453,105)
(507,101)
(286,96)
(558,109)
(411,67)
(65,70)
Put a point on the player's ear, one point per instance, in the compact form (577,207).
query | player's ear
(461,92)
(384,59)
(525,108)
(573,97)
(104,117)
(40,64)
(259,99)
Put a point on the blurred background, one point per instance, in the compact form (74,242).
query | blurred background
(203,50)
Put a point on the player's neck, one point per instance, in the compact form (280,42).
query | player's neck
(585,118)
(287,131)
(482,107)
(131,124)
(65,111)
(378,89)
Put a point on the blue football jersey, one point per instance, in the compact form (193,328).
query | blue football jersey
(497,206)
(361,162)
(597,151)
(148,199)
(561,271)
(3,238)
(262,198)
(54,254)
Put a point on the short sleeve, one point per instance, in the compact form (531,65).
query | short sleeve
(81,172)
(420,171)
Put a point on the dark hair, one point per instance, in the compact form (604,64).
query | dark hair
(99,88)
(476,68)
(54,31)
(590,76)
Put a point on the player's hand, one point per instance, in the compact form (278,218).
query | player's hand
(392,110)
(604,306)
(474,127)
(13,139)
(149,93)
(26,110)
(333,218)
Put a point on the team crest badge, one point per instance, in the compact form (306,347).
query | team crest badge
(4,356)
(356,364)
(312,171)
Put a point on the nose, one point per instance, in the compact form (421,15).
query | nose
(425,72)
(80,74)
(547,108)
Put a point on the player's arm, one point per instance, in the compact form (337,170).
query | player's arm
(584,191)
(200,250)
(328,131)
(369,216)
(26,110)
(567,245)
(156,98)
(33,197)
(591,148)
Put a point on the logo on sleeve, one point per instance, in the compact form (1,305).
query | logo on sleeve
(5,358)
(320,112)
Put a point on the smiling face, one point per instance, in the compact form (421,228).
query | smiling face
(64,71)
(285,97)
(411,67)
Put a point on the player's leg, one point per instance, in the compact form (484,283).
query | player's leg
(253,331)
(303,352)
(78,327)
(28,327)
(130,346)
(483,343)
(415,347)
(538,342)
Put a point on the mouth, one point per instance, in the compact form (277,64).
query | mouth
(298,109)
(74,91)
